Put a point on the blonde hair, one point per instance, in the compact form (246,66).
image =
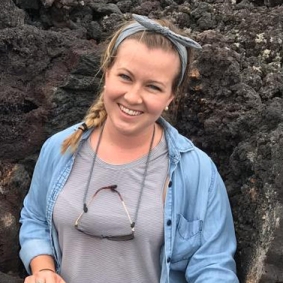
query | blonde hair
(96,114)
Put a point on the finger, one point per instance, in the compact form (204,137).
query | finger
(30,279)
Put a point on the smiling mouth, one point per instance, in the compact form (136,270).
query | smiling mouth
(129,111)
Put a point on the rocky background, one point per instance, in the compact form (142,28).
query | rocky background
(49,64)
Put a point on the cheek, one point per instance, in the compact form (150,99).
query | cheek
(108,98)
(109,92)
(156,105)
(114,88)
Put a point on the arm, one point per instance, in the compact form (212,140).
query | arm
(37,234)
(34,232)
(213,262)
(36,249)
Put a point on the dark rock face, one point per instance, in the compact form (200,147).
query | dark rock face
(49,60)
(234,113)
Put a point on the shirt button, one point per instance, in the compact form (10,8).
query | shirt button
(169,222)
(168,259)
(170,184)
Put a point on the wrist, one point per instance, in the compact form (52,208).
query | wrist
(47,269)
(41,262)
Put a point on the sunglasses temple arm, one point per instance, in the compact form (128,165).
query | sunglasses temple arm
(128,214)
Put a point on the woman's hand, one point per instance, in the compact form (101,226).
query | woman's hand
(44,276)
(43,270)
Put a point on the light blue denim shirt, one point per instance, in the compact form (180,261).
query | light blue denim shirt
(199,237)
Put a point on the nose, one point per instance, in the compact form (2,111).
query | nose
(133,95)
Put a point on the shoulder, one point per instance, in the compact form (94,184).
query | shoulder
(192,165)
(182,148)
(51,150)
(57,139)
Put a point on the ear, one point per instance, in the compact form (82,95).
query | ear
(106,73)
(172,96)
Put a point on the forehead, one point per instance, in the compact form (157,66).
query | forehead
(132,51)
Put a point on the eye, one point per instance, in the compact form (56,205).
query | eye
(124,77)
(154,87)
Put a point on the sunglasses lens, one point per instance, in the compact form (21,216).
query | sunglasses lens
(122,238)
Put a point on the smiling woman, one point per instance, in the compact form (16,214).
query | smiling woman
(138,87)
(123,189)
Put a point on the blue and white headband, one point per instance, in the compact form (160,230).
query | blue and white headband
(144,23)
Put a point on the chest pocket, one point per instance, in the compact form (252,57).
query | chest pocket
(187,242)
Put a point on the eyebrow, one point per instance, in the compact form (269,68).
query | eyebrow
(150,81)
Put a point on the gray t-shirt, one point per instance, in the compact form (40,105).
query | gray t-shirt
(88,259)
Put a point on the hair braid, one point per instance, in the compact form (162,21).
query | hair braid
(95,116)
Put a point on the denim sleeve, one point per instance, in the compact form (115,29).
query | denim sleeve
(213,262)
(34,232)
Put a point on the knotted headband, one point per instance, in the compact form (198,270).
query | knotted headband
(144,23)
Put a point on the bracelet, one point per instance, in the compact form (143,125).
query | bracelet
(47,269)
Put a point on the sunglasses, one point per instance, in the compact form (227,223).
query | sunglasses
(121,237)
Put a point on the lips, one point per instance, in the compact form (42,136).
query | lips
(130,111)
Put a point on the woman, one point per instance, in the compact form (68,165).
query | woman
(123,197)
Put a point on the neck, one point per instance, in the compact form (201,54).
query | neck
(117,148)
(126,140)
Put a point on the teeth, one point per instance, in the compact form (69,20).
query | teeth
(129,111)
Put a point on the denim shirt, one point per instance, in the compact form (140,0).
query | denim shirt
(199,237)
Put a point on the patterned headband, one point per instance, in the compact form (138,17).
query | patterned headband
(144,23)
